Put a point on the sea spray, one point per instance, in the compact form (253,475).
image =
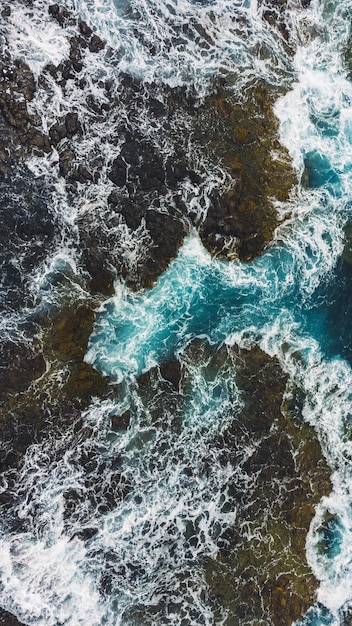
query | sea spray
(135,505)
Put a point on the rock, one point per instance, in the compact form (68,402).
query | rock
(95,44)
(288,475)
(171,371)
(69,333)
(71,124)
(118,172)
(84,383)
(85,29)
(121,422)
(65,128)
(22,364)
(75,55)
(61,15)
(17,88)
(104,487)
(241,221)
(168,234)
(130,152)
(6,11)
(7,619)
(133,212)
(46,387)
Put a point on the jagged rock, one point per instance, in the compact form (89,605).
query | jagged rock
(28,233)
(61,14)
(274,12)
(95,44)
(167,233)
(118,172)
(6,11)
(87,38)
(17,88)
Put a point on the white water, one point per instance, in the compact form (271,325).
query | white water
(48,577)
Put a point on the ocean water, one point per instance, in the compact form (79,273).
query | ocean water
(66,556)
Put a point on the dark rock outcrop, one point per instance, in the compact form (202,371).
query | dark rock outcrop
(242,219)
(29,232)
(7,619)
(260,574)
(288,475)
(17,88)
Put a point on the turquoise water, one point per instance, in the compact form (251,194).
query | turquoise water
(137,559)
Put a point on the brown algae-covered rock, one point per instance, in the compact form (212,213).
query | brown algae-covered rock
(46,386)
(241,221)
(262,576)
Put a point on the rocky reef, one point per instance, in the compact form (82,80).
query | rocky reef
(260,575)
(146,187)
(139,187)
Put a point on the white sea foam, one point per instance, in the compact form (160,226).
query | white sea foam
(49,575)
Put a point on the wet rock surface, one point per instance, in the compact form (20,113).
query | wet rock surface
(7,619)
(29,232)
(45,386)
(23,130)
(274,12)
(264,559)
(241,221)
(260,574)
